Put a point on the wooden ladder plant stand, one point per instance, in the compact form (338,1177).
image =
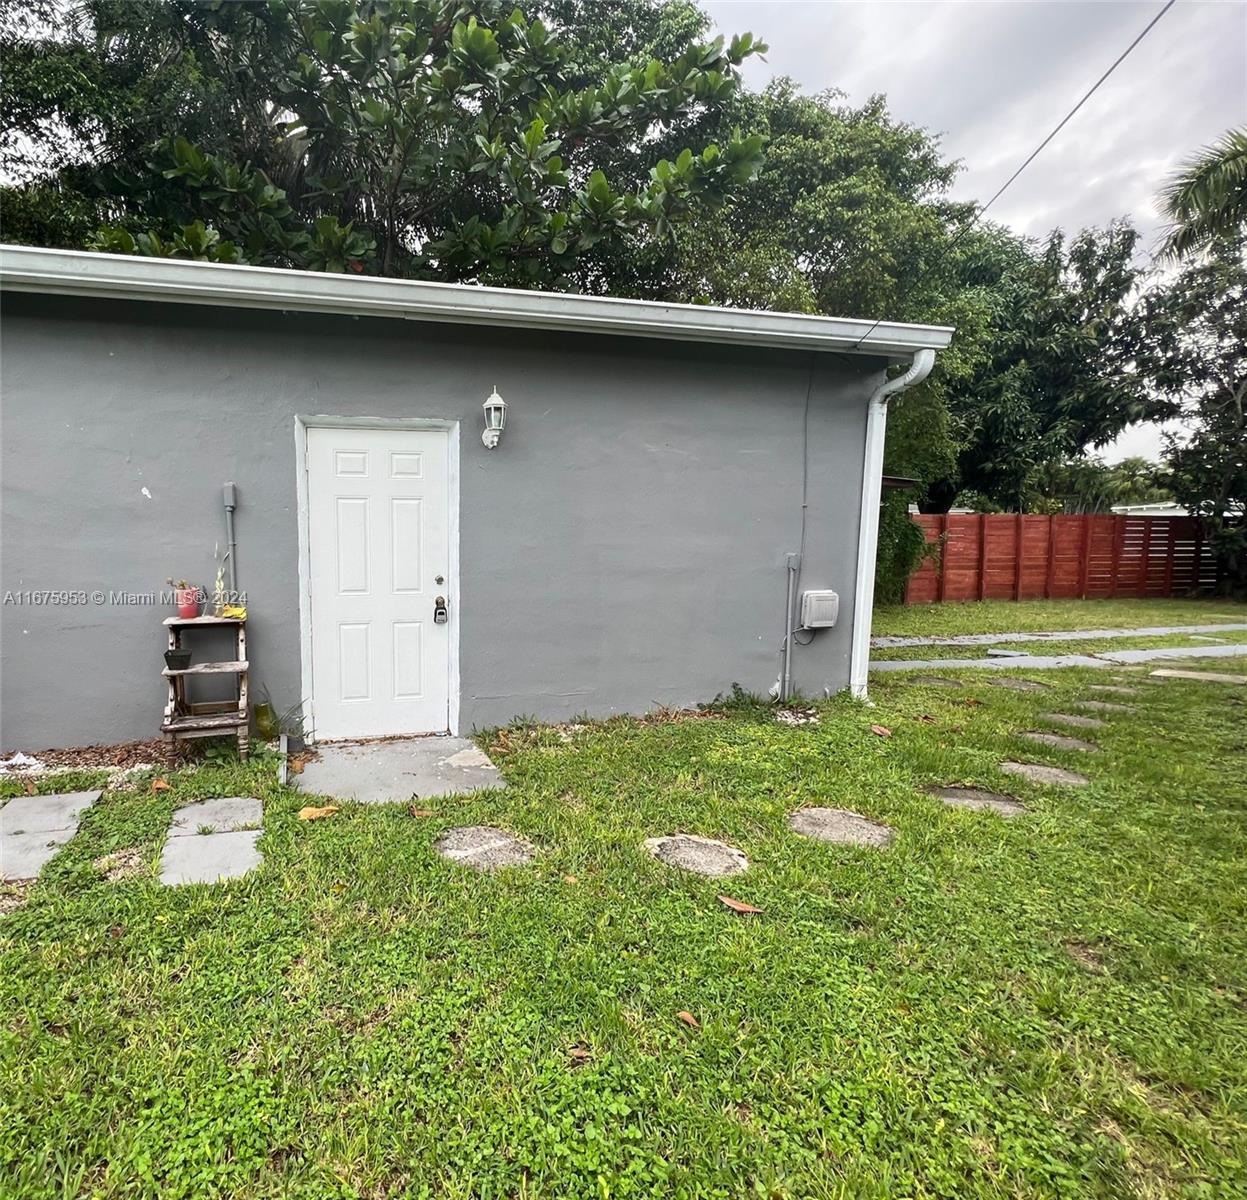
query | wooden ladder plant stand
(185,719)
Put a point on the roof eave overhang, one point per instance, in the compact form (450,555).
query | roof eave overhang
(123,277)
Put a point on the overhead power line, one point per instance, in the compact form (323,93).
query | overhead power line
(1034,154)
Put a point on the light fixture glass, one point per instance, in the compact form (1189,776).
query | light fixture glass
(495,419)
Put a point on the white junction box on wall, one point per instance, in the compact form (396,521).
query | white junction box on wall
(819,610)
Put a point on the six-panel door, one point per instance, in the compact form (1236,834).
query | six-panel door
(379,559)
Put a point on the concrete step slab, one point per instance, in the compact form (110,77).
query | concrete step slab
(399,769)
(1074,721)
(1059,741)
(34,828)
(218,815)
(1041,773)
(209,857)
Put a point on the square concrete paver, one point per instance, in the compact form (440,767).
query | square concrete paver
(34,828)
(209,857)
(399,769)
(220,815)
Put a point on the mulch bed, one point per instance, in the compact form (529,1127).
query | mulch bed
(123,755)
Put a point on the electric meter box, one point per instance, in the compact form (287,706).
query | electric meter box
(819,610)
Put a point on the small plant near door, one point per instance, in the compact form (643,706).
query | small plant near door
(187,597)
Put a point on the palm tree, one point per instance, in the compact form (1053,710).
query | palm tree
(1207,199)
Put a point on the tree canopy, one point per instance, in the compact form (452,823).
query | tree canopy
(423,138)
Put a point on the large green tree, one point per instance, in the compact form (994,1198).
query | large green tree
(1195,356)
(1060,369)
(449,139)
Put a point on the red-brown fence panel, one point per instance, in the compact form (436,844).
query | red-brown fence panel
(1004,556)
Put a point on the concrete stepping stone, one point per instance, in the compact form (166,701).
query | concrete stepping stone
(401,769)
(840,826)
(1018,685)
(979,800)
(701,855)
(1059,741)
(220,815)
(34,828)
(1074,720)
(484,848)
(1038,773)
(1103,705)
(209,841)
(1202,676)
(935,681)
(1113,689)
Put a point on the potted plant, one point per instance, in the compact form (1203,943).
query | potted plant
(186,596)
(177,660)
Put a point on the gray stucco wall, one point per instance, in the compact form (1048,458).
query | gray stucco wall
(623,548)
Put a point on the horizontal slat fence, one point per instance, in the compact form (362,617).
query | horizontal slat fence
(1003,556)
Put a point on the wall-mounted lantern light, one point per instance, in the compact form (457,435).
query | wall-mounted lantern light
(495,419)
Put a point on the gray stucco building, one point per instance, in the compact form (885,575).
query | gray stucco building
(626,544)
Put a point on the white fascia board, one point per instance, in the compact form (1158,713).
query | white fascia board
(125,277)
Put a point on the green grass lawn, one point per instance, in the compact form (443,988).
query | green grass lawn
(1036,616)
(1054,1005)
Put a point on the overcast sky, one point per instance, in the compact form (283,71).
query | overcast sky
(993,78)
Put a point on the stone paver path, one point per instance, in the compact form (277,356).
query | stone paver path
(1038,773)
(484,848)
(979,800)
(1058,741)
(1113,689)
(212,840)
(840,826)
(1074,721)
(1202,676)
(1048,662)
(937,681)
(702,855)
(1066,635)
(34,828)
(1018,685)
(1103,706)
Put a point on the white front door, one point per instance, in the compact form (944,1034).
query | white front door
(378,564)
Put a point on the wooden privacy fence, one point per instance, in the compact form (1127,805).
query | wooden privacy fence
(1003,556)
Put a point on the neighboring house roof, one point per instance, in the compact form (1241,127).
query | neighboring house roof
(123,277)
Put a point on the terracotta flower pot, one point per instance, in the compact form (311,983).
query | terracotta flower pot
(188,602)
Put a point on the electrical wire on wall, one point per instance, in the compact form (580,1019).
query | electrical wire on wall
(794,584)
(805,495)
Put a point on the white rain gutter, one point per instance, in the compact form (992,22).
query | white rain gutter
(177,281)
(868,531)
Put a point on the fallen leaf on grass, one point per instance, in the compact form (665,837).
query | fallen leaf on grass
(737,905)
(311,813)
(30,788)
(927,719)
(880,731)
(160,785)
(413,811)
(688,1019)
(570,879)
(974,702)
(578,1054)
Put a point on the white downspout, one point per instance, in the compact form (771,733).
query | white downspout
(868,531)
